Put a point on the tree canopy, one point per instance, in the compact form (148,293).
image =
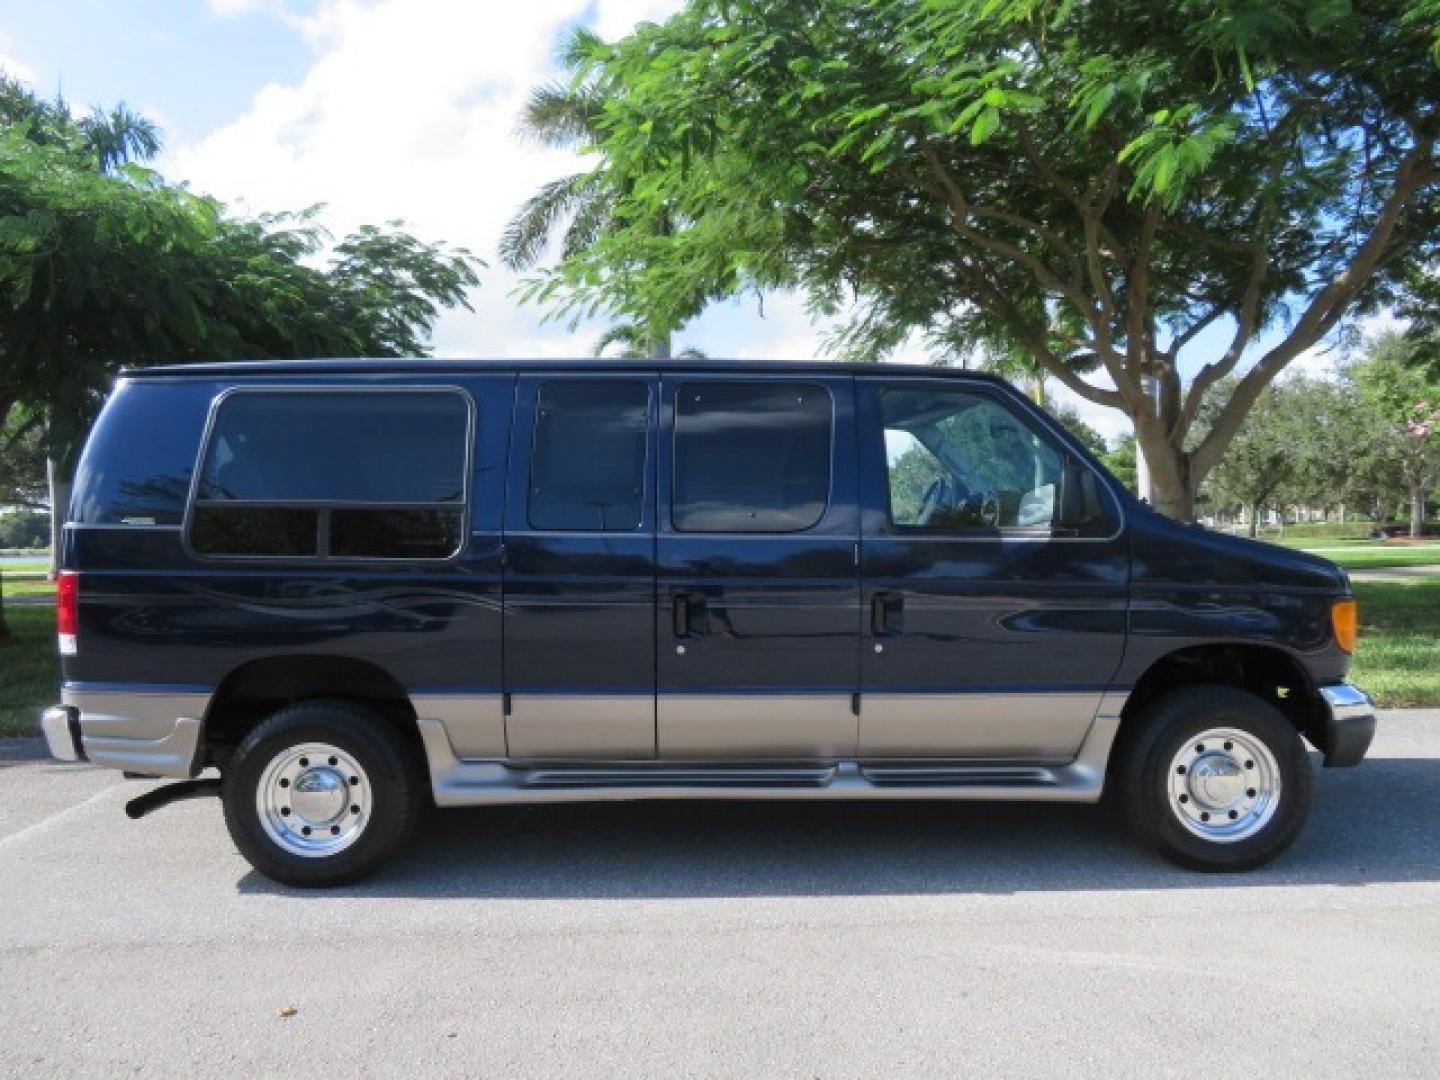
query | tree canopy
(1089,185)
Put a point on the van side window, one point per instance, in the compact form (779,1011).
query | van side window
(959,461)
(751,457)
(333,473)
(587,466)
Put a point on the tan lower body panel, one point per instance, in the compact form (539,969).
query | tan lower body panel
(1016,726)
(475,723)
(700,726)
(589,726)
(154,733)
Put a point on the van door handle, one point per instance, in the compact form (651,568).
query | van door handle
(887,614)
(687,615)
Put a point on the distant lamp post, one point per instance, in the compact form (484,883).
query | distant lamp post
(1150,387)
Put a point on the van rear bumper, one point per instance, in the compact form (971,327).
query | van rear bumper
(61,725)
(153,733)
(1349,724)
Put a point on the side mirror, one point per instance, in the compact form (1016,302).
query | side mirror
(1079,499)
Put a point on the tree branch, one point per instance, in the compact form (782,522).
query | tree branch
(1034,340)
(1416,171)
(961,213)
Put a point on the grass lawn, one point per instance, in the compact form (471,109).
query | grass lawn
(29,587)
(29,669)
(1398,659)
(27,566)
(1320,543)
(1376,557)
(1368,554)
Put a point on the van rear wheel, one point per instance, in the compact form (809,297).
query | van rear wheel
(1215,778)
(321,793)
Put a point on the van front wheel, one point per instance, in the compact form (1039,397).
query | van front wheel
(1216,778)
(321,793)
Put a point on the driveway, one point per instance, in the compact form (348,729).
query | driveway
(702,939)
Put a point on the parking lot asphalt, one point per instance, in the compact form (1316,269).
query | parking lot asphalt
(725,939)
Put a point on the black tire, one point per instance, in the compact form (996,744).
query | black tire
(396,790)
(1143,772)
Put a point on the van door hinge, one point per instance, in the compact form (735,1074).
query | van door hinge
(855,552)
(505,703)
(855,703)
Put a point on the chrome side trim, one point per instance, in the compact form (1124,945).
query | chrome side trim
(597,726)
(701,726)
(152,732)
(988,725)
(473,723)
(457,782)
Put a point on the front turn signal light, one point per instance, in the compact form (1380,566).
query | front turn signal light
(1344,621)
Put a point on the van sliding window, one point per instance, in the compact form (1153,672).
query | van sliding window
(751,457)
(361,474)
(587,468)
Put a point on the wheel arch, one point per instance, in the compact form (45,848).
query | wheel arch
(1273,674)
(258,688)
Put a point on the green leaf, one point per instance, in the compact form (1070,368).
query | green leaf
(986,124)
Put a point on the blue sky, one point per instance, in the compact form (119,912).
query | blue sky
(181,61)
(380,109)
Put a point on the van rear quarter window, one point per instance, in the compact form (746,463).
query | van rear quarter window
(138,460)
(334,473)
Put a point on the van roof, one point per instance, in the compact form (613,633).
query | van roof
(434,366)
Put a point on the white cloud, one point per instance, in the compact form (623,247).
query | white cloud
(12,66)
(17,70)
(409,111)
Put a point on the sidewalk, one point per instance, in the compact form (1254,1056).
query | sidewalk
(1395,573)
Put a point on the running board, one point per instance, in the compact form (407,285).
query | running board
(468,782)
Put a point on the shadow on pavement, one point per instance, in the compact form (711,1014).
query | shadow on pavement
(1377,823)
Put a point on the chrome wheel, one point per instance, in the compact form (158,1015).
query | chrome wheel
(1224,785)
(313,799)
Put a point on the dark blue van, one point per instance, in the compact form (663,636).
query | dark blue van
(356,587)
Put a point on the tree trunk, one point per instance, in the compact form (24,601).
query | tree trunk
(1417,511)
(59,483)
(1254,520)
(1170,489)
(660,347)
(5,633)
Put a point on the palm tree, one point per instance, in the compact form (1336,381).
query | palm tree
(577,208)
(120,136)
(637,343)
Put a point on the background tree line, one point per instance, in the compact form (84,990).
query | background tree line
(1366,443)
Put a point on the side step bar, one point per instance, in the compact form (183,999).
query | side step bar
(466,782)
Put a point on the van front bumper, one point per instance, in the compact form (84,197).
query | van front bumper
(1349,724)
(146,732)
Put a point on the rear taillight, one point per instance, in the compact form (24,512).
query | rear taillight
(67,610)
